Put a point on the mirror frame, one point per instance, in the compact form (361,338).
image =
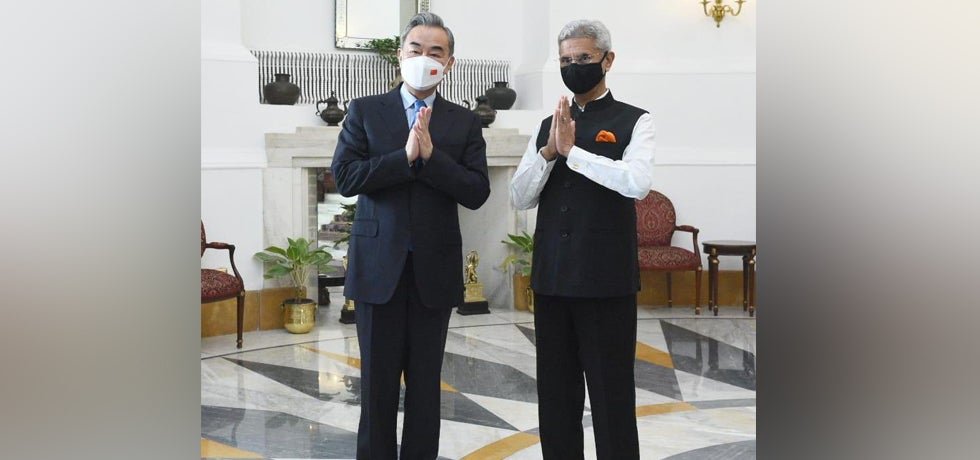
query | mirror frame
(347,42)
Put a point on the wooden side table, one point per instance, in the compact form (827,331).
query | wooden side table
(747,250)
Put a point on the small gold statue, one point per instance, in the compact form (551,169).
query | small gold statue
(474,301)
(472,260)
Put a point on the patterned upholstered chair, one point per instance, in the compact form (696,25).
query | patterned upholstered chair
(656,223)
(217,285)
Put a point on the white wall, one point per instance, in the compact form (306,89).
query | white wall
(697,80)
(294,25)
(231,208)
(231,141)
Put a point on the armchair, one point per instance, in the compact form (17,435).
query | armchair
(217,285)
(656,223)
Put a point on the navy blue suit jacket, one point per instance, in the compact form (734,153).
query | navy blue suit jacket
(398,206)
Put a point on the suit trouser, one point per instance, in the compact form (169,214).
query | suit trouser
(596,336)
(400,336)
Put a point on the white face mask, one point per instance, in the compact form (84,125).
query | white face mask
(422,72)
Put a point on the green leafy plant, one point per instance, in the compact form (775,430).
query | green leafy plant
(387,48)
(520,260)
(296,260)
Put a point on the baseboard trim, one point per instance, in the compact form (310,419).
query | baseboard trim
(653,290)
(263,311)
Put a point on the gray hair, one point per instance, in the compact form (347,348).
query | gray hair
(428,18)
(586,28)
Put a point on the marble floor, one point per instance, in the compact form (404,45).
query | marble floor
(296,396)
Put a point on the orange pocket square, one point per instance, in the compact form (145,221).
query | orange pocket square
(605,136)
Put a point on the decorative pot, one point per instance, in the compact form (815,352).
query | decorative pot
(298,315)
(523,295)
(281,91)
(500,96)
(332,114)
(486,113)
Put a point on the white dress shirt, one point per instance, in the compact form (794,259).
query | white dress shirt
(631,177)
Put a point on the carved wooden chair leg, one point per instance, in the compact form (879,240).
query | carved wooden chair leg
(241,317)
(745,283)
(752,287)
(713,281)
(697,291)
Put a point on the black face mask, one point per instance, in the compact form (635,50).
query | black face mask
(580,78)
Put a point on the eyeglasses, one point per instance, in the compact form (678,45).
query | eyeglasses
(581,59)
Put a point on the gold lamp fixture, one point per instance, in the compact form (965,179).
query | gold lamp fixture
(718,11)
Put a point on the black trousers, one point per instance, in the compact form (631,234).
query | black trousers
(401,336)
(597,337)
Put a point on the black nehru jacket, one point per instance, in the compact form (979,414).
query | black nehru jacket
(585,239)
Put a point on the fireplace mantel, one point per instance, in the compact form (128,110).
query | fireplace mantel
(289,204)
(313,147)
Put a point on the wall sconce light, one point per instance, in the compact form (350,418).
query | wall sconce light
(718,10)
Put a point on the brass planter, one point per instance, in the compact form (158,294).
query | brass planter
(523,295)
(298,315)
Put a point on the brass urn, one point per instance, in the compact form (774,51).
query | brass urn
(483,110)
(331,114)
(486,113)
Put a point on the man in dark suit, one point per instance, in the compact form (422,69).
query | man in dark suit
(410,156)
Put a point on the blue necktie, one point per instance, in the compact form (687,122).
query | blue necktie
(415,112)
(417,164)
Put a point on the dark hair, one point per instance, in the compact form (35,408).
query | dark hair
(427,18)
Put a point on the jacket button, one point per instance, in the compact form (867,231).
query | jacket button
(568,184)
(564,234)
(564,209)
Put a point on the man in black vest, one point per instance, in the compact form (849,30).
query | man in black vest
(585,168)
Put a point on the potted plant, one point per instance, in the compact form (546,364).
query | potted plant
(387,48)
(296,260)
(520,260)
